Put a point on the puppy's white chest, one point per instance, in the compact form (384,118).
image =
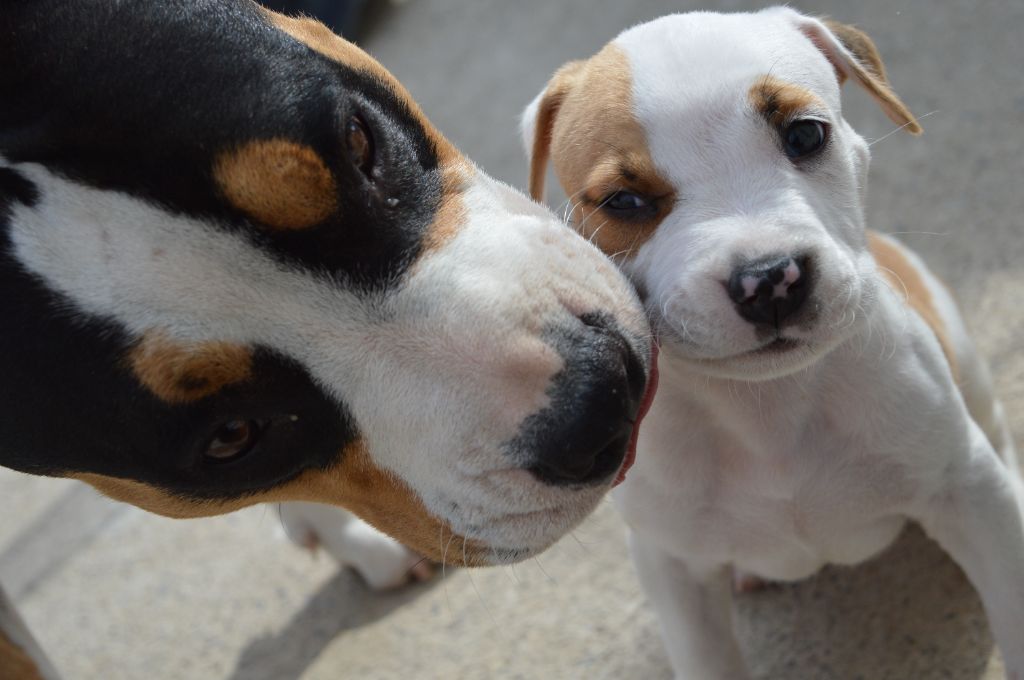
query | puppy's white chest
(776,488)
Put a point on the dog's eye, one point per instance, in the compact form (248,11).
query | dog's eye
(625,203)
(360,144)
(803,138)
(234,439)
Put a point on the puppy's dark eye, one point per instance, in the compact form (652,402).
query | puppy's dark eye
(233,439)
(360,144)
(804,138)
(626,204)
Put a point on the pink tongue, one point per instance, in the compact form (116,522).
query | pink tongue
(645,406)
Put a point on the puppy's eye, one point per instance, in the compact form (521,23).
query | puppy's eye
(233,439)
(360,144)
(803,138)
(626,204)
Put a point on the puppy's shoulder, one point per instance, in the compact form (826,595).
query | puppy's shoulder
(906,274)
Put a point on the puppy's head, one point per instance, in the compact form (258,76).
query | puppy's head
(708,155)
(239,265)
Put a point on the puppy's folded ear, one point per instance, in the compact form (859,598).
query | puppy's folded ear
(538,120)
(853,55)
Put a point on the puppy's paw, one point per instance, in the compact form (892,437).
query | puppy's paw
(380,560)
(383,562)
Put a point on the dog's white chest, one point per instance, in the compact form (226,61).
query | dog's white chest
(777,485)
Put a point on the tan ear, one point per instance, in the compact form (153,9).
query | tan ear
(852,54)
(538,121)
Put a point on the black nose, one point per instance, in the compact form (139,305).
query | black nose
(768,291)
(583,435)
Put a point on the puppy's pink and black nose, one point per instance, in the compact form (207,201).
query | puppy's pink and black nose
(770,290)
(583,435)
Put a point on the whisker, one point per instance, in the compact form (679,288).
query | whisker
(899,128)
(444,557)
(586,549)
(544,571)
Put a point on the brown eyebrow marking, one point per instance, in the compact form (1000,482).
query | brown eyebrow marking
(179,373)
(779,102)
(278,183)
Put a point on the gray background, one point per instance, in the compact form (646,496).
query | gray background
(115,593)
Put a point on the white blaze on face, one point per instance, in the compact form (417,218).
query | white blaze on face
(438,373)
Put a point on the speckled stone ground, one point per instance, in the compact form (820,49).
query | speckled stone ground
(115,593)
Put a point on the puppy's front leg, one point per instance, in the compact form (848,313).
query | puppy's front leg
(977,518)
(695,614)
(382,561)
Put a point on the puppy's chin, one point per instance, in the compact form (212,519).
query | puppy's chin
(769,361)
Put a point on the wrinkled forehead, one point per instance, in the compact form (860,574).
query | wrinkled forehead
(700,62)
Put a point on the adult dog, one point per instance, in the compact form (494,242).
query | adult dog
(238,265)
(818,385)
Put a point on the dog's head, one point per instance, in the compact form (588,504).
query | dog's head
(239,265)
(708,154)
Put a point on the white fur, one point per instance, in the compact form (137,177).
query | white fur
(438,374)
(778,464)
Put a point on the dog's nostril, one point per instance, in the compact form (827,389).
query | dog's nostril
(582,466)
(770,290)
(595,320)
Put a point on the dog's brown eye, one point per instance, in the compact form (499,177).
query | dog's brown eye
(233,439)
(803,138)
(360,144)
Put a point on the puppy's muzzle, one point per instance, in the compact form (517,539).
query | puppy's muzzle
(582,437)
(769,291)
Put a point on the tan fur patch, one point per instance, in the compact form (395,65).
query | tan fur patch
(901,275)
(278,183)
(586,122)
(321,39)
(780,102)
(180,373)
(354,483)
(452,212)
(15,664)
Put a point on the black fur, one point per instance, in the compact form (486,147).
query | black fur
(139,97)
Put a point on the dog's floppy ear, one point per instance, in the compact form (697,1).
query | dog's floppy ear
(853,55)
(538,121)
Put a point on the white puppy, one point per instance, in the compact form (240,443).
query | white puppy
(818,386)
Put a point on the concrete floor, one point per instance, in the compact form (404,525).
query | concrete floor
(115,593)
